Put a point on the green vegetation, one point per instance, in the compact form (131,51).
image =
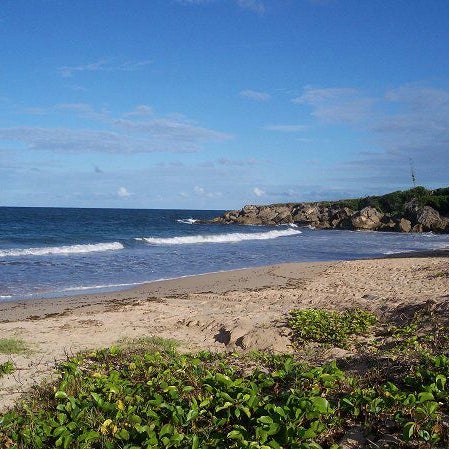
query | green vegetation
(115,399)
(147,344)
(12,346)
(6,368)
(323,326)
(145,394)
(393,203)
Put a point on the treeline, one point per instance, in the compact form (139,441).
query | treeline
(394,203)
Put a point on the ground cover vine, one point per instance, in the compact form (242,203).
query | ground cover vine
(152,396)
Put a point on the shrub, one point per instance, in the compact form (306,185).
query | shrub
(12,346)
(6,368)
(323,326)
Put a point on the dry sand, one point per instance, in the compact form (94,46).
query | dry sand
(238,310)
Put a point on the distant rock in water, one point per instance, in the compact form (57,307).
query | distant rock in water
(414,210)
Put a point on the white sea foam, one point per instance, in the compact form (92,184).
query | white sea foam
(187,220)
(219,238)
(399,251)
(290,225)
(64,250)
(103,286)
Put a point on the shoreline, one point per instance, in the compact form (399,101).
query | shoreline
(239,310)
(170,282)
(214,282)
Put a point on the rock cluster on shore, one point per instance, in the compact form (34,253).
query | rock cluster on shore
(413,218)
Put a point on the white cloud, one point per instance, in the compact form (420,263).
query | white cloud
(252,5)
(84,110)
(256,6)
(174,130)
(337,105)
(122,192)
(202,192)
(287,128)
(237,162)
(81,140)
(125,135)
(103,65)
(140,111)
(255,95)
(194,2)
(258,192)
(411,121)
(68,71)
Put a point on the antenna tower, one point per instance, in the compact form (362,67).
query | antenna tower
(412,171)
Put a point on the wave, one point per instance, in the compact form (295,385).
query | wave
(187,220)
(63,250)
(219,238)
(399,251)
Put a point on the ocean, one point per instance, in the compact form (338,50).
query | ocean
(57,252)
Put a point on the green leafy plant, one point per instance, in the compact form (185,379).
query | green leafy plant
(130,397)
(13,346)
(6,368)
(331,327)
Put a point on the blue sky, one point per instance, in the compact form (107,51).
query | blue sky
(213,104)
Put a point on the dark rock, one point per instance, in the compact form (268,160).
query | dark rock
(339,217)
(387,223)
(411,209)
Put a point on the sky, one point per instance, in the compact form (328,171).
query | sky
(213,104)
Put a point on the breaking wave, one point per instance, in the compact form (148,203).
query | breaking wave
(187,220)
(219,238)
(65,250)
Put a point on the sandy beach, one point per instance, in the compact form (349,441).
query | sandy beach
(231,311)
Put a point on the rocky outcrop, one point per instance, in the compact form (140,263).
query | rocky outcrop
(335,216)
(403,225)
(368,218)
(430,220)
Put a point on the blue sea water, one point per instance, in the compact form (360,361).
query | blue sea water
(56,252)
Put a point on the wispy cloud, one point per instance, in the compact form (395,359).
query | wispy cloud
(321,2)
(409,121)
(123,192)
(166,137)
(420,128)
(131,66)
(252,5)
(138,131)
(257,6)
(258,192)
(255,95)
(202,192)
(142,110)
(337,105)
(84,110)
(102,65)
(68,71)
(287,128)
(172,130)
(193,2)
(237,162)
